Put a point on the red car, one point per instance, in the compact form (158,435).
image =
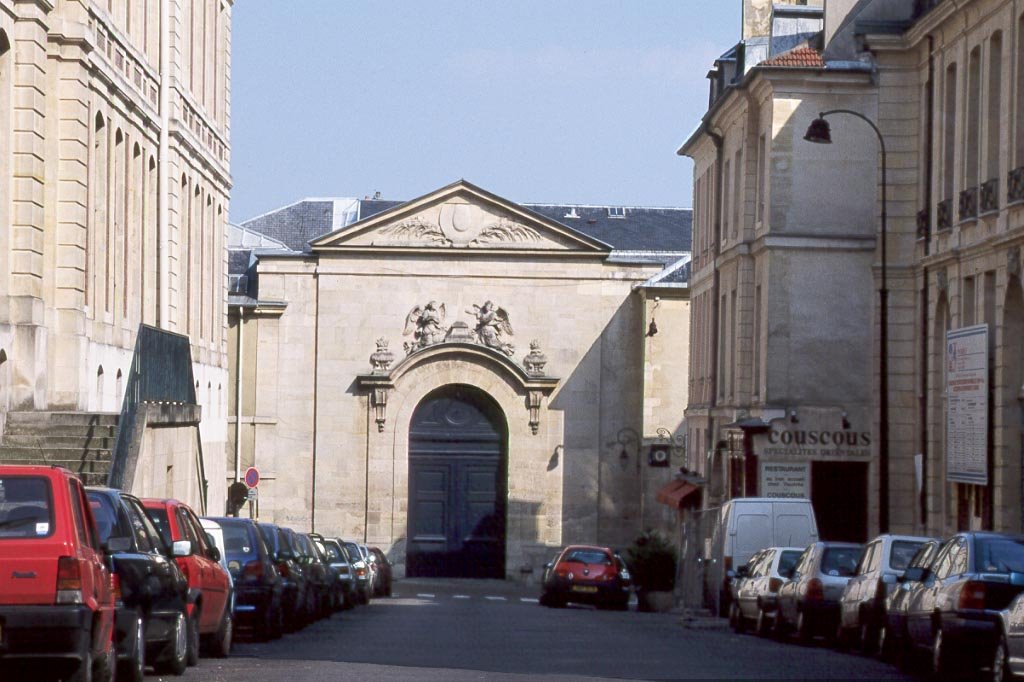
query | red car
(209,585)
(586,574)
(56,595)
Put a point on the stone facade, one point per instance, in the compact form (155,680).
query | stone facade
(114,178)
(329,428)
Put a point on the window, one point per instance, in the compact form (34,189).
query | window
(840,561)
(949,133)
(995,78)
(146,536)
(762,172)
(26,508)
(616,212)
(901,553)
(737,204)
(972,137)
(1019,116)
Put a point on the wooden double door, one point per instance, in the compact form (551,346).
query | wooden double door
(457,486)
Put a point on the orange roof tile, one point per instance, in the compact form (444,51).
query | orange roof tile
(798,57)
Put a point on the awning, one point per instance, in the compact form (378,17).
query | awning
(674,493)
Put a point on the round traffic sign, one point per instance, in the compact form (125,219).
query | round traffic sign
(252,477)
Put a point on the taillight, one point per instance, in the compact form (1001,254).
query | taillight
(815,590)
(69,580)
(972,595)
(283,569)
(774,584)
(115,587)
(253,571)
(360,571)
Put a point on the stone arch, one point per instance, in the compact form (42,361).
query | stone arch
(1010,358)
(534,488)
(5,43)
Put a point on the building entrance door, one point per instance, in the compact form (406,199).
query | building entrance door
(839,494)
(457,486)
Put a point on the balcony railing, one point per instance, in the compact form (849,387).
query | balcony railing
(944,215)
(923,224)
(1015,185)
(968,204)
(990,196)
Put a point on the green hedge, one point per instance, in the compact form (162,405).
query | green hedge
(652,561)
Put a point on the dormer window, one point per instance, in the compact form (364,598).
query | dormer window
(572,213)
(616,212)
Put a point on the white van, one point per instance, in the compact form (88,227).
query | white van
(746,525)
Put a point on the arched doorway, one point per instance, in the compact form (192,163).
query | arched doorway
(457,486)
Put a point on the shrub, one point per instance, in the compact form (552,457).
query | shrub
(652,561)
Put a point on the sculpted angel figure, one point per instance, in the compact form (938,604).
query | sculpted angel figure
(492,326)
(426,324)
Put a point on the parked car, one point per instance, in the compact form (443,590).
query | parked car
(258,585)
(371,566)
(361,569)
(384,574)
(216,533)
(756,587)
(1007,659)
(209,584)
(746,525)
(56,596)
(809,600)
(586,574)
(295,600)
(152,618)
(338,558)
(862,606)
(893,637)
(329,555)
(320,577)
(953,609)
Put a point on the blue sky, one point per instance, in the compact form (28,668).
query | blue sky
(537,101)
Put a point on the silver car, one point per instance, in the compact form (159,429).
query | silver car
(757,586)
(809,600)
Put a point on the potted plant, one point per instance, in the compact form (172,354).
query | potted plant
(652,561)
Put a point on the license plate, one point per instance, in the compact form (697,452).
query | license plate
(584,588)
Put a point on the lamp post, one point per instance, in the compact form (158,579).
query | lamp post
(820,133)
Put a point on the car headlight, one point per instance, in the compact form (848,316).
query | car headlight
(624,575)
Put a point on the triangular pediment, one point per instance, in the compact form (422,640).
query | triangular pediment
(460,216)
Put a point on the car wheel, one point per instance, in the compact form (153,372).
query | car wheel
(804,631)
(220,647)
(1000,668)
(884,644)
(193,639)
(736,618)
(178,661)
(134,668)
(764,623)
(106,667)
(868,636)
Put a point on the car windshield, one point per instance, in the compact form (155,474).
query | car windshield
(108,523)
(902,552)
(788,560)
(588,556)
(239,541)
(333,553)
(159,519)
(25,507)
(1000,555)
(840,561)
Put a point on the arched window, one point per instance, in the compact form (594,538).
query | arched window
(98,403)
(993,115)
(115,226)
(95,243)
(119,387)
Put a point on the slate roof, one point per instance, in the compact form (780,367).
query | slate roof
(639,229)
(296,224)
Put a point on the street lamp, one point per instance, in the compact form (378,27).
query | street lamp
(820,133)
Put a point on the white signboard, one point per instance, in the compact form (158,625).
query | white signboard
(967,405)
(785,479)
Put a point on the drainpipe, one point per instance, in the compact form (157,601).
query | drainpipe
(164,168)
(925,293)
(316,378)
(239,370)
(716,223)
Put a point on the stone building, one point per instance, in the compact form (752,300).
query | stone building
(784,246)
(465,381)
(114,181)
(951,105)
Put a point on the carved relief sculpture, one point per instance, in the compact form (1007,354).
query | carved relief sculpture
(492,326)
(381,359)
(535,360)
(426,324)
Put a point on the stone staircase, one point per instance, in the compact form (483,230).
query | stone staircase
(80,441)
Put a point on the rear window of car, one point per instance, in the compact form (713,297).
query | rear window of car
(902,552)
(26,507)
(1000,555)
(240,541)
(353,551)
(159,519)
(332,552)
(788,560)
(269,534)
(840,561)
(588,556)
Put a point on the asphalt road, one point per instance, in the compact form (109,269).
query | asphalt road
(466,630)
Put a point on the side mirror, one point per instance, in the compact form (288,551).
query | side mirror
(214,553)
(118,544)
(1017,578)
(743,571)
(181,548)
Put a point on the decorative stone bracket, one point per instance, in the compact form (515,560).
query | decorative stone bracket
(530,383)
